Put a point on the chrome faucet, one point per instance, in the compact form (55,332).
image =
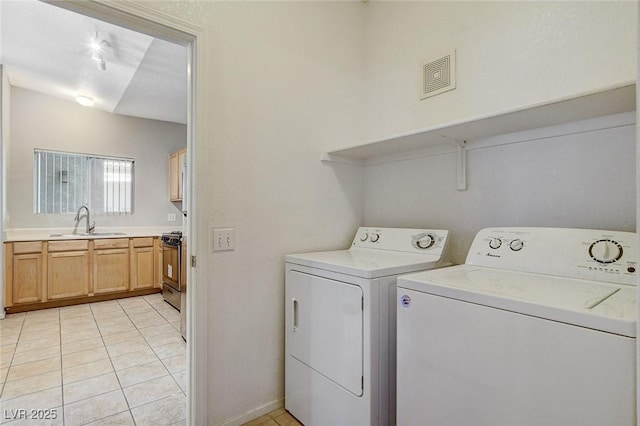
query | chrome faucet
(90,228)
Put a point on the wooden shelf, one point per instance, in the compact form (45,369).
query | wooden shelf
(610,101)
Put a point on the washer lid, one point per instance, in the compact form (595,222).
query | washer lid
(365,263)
(591,304)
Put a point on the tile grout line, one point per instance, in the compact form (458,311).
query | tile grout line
(114,369)
(6,379)
(61,372)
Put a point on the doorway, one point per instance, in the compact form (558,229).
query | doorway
(143,21)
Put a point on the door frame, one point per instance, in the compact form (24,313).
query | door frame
(160,25)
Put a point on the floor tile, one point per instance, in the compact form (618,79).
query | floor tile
(80,327)
(132,359)
(175,363)
(82,345)
(95,408)
(3,375)
(159,329)
(112,339)
(90,387)
(170,350)
(10,339)
(80,335)
(142,373)
(151,390)
(163,339)
(34,368)
(80,319)
(127,347)
(181,379)
(86,371)
(36,355)
(286,419)
(38,344)
(42,400)
(27,385)
(115,329)
(83,357)
(120,419)
(168,411)
(132,301)
(49,325)
(170,314)
(26,336)
(75,311)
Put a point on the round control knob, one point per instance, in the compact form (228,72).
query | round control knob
(426,241)
(374,237)
(516,245)
(605,251)
(495,243)
(363,237)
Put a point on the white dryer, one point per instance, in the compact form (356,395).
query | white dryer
(340,325)
(537,328)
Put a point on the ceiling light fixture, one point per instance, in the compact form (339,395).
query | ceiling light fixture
(97,47)
(84,100)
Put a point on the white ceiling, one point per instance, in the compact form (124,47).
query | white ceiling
(46,49)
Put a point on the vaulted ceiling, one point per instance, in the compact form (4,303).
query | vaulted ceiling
(49,50)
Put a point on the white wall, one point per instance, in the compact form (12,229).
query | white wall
(5,140)
(287,82)
(563,176)
(45,122)
(510,54)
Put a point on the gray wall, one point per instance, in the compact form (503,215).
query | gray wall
(41,121)
(580,175)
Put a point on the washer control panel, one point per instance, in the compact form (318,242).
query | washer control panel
(431,241)
(574,253)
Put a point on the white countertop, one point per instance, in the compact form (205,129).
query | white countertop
(36,234)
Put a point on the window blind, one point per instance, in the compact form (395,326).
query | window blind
(65,181)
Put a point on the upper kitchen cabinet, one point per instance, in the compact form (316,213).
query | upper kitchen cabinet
(176,168)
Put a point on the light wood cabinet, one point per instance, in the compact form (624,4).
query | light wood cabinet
(110,270)
(143,265)
(61,271)
(68,274)
(176,163)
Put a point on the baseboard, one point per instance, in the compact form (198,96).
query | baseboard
(254,414)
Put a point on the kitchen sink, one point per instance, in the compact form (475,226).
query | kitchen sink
(95,234)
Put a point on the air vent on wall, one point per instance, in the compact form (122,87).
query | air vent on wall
(439,76)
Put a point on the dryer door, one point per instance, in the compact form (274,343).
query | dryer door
(327,327)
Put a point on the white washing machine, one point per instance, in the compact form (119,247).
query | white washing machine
(537,328)
(340,327)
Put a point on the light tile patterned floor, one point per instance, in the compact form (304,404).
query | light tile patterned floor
(279,417)
(120,362)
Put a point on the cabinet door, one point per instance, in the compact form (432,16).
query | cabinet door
(68,274)
(142,268)
(181,158)
(27,278)
(110,270)
(174,171)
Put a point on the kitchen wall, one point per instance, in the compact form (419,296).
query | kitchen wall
(41,121)
(579,175)
(5,140)
(509,54)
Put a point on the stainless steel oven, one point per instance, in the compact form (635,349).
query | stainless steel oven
(172,284)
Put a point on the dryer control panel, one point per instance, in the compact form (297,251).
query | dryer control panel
(432,241)
(590,254)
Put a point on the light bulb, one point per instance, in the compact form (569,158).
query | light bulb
(84,100)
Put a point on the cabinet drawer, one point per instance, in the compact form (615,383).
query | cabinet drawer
(27,247)
(68,245)
(111,243)
(143,242)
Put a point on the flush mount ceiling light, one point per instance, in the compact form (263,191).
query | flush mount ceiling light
(97,47)
(84,100)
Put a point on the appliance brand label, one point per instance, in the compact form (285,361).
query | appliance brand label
(405,301)
(493,255)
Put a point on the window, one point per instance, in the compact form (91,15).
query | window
(65,181)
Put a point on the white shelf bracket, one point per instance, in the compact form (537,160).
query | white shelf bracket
(461,146)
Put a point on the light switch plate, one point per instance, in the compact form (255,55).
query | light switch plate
(224,239)
(171,217)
